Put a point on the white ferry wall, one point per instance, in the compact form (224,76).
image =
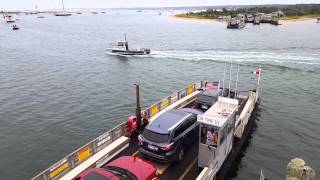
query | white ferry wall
(212,165)
(214,157)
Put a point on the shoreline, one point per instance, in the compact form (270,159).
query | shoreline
(284,20)
(196,19)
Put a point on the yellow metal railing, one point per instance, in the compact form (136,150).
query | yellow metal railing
(71,161)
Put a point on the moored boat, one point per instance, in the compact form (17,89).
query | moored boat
(9,19)
(275,21)
(63,13)
(15,27)
(249,18)
(256,20)
(235,23)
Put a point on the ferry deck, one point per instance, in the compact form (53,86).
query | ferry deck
(114,143)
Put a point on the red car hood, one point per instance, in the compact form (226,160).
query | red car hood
(142,169)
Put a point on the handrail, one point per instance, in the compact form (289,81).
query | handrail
(162,104)
(72,160)
(81,154)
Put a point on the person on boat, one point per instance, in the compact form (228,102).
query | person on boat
(212,137)
(127,46)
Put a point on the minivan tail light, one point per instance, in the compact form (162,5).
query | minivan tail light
(167,147)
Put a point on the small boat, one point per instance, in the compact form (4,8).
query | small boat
(122,48)
(8,19)
(63,13)
(6,16)
(94,12)
(275,21)
(40,17)
(256,20)
(249,18)
(103,12)
(79,12)
(237,22)
(15,27)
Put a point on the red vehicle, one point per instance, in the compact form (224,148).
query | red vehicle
(123,168)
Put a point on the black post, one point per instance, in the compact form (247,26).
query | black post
(138,109)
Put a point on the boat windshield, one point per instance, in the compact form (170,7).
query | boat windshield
(123,174)
(121,43)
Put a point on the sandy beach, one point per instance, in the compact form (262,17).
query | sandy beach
(294,20)
(196,19)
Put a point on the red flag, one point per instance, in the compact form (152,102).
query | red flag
(257,72)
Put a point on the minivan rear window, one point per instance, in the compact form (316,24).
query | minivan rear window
(155,137)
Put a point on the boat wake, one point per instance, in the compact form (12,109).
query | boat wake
(242,57)
(290,60)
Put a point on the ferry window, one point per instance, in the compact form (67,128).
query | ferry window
(203,135)
(209,135)
(227,129)
(223,134)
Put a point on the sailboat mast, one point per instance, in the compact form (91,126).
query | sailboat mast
(62,5)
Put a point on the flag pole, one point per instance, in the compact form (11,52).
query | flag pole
(224,76)
(258,83)
(230,78)
(236,91)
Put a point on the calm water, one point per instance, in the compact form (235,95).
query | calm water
(59,88)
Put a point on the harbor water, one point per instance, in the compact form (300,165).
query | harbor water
(60,88)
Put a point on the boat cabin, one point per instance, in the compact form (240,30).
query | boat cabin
(123,45)
(216,133)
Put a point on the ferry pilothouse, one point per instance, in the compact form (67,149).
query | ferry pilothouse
(152,145)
